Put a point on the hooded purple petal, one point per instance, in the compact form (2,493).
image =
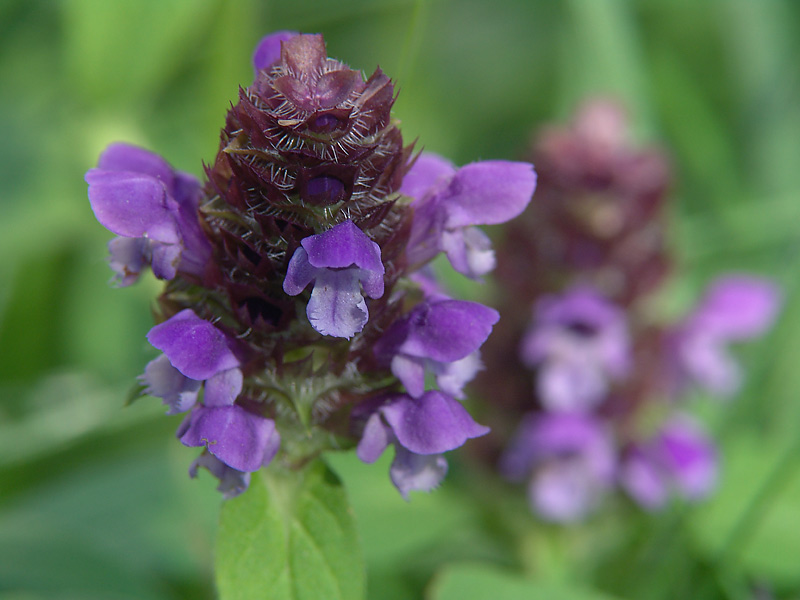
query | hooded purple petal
(124,157)
(428,173)
(344,245)
(374,440)
(488,193)
(194,346)
(240,439)
(431,424)
(268,50)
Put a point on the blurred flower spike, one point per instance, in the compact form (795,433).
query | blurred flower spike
(297,315)
(589,386)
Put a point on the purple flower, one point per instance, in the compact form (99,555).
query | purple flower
(679,460)
(140,197)
(735,308)
(268,50)
(579,342)
(450,201)
(569,459)
(340,262)
(421,429)
(194,352)
(442,336)
(240,439)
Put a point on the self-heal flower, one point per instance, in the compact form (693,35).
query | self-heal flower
(449,202)
(340,262)
(568,460)
(735,308)
(421,429)
(194,352)
(579,342)
(680,460)
(140,197)
(442,336)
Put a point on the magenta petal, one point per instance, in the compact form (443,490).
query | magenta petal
(237,437)
(488,192)
(194,346)
(343,246)
(131,205)
(427,171)
(268,50)
(431,424)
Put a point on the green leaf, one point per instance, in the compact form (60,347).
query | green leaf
(291,536)
(479,582)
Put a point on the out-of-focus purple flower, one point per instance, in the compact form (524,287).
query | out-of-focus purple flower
(231,482)
(340,262)
(268,50)
(579,342)
(449,202)
(194,352)
(443,336)
(421,429)
(735,308)
(242,440)
(680,460)
(140,197)
(569,459)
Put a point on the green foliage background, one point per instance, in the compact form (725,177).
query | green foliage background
(94,498)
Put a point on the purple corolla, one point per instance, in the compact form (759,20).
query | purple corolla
(680,460)
(568,459)
(153,208)
(340,262)
(442,336)
(421,429)
(449,202)
(579,342)
(735,308)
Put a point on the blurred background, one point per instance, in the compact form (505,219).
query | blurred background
(94,497)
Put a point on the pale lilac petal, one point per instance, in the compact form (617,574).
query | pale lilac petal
(237,437)
(371,282)
(564,492)
(299,273)
(411,373)
(709,363)
(691,458)
(469,250)
(427,174)
(164,381)
(427,228)
(644,481)
(223,388)
(127,258)
(431,424)
(488,192)
(344,245)
(268,50)
(231,482)
(411,471)
(336,307)
(132,205)
(571,386)
(194,346)
(165,259)
(452,377)
(376,438)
